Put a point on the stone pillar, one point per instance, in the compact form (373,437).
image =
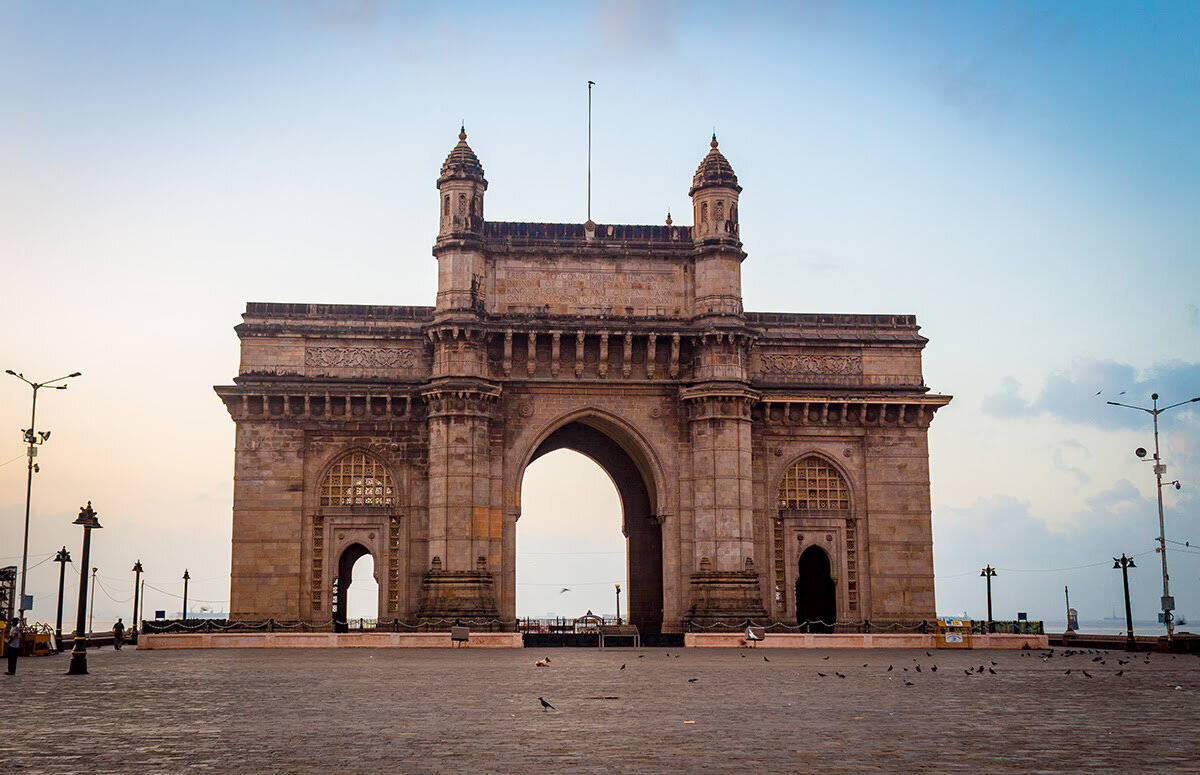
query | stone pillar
(465,522)
(724,584)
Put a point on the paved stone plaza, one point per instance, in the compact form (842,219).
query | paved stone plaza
(474,711)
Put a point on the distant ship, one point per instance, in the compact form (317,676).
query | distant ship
(1114,617)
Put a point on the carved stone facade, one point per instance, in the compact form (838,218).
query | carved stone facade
(405,432)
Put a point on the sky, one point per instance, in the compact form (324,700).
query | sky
(1023,177)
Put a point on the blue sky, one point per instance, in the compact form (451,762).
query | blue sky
(1021,176)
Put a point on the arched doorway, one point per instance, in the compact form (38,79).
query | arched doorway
(341,585)
(816,602)
(642,603)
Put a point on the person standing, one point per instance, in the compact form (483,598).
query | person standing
(12,645)
(118,635)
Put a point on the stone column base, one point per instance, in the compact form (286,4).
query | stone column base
(467,595)
(726,597)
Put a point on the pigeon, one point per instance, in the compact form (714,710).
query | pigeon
(693,680)
(622,667)
(765,658)
(928,654)
(839,675)
(933,669)
(990,670)
(1067,671)
(1086,673)
(543,662)
(864,664)
(743,656)
(908,683)
(980,670)
(640,656)
(546,705)
(889,668)
(821,674)
(824,657)
(918,668)
(1120,672)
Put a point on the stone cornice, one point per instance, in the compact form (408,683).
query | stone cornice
(896,409)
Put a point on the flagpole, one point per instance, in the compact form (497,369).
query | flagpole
(589,160)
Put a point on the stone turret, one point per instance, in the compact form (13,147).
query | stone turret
(459,247)
(714,194)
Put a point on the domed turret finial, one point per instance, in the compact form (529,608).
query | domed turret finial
(462,131)
(713,144)
(669,221)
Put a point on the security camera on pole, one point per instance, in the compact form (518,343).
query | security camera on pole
(33,438)
(1168,602)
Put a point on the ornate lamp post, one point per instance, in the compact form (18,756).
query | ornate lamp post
(989,573)
(1125,563)
(87,518)
(185,583)
(618,586)
(62,558)
(92,604)
(33,438)
(1168,602)
(137,583)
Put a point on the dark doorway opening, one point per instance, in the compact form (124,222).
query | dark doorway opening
(341,585)
(644,590)
(816,601)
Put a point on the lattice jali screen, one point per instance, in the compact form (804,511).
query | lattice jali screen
(812,483)
(357,480)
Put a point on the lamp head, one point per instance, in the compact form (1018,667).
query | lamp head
(137,567)
(10,371)
(76,374)
(87,517)
(1131,563)
(1140,452)
(1154,396)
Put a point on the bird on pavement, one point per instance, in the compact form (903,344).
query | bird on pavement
(821,674)
(908,683)
(889,668)
(990,670)
(1086,673)
(765,658)
(693,680)
(546,705)
(839,675)
(622,667)
(1120,672)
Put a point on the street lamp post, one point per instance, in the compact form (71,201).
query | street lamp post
(33,438)
(618,586)
(137,583)
(989,573)
(62,558)
(87,518)
(1168,602)
(92,604)
(185,583)
(1124,564)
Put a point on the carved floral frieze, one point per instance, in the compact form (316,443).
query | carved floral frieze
(836,365)
(360,357)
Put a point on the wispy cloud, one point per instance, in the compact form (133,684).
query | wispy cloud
(1080,394)
(1035,558)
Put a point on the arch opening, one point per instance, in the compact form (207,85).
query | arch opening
(642,587)
(356,564)
(816,603)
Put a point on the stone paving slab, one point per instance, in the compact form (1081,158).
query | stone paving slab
(476,711)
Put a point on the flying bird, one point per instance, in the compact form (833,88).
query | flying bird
(564,589)
(546,705)
(1098,392)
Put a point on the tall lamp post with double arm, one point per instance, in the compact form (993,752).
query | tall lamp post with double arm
(1168,602)
(33,438)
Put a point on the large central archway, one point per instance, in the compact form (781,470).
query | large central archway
(643,533)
